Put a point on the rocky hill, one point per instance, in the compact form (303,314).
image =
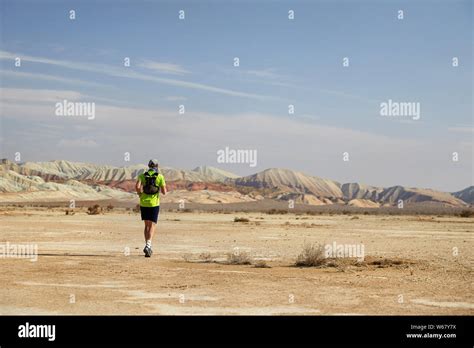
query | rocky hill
(64,180)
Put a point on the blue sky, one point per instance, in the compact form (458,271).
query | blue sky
(282,62)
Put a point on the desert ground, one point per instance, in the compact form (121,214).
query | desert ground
(94,264)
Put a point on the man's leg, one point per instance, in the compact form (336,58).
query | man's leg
(149,230)
(146,233)
(145,229)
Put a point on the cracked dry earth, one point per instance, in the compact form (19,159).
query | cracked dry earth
(413,265)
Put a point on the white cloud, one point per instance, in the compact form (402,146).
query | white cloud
(37,95)
(29,76)
(350,95)
(27,95)
(264,73)
(124,72)
(167,68)
(265,76)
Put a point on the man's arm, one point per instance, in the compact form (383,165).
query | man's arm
(163,186)
(138,187)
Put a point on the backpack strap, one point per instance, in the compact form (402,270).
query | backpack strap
(147,174)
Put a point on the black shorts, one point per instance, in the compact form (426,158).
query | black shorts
(150,213)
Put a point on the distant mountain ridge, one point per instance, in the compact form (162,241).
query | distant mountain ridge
(274,183)
(291,181)
(60,169)
(395,193)
(466,195)
(361,191)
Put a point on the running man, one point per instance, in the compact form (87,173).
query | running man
(148,187)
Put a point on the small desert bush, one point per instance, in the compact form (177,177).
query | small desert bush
(311,256)
(383,263)
(261,264)
(277,211)
(309,212)
(94,210)
(205,257)
(241,219)
(137,208)
(110,207)
(466,213)
(69,212)
(241,258)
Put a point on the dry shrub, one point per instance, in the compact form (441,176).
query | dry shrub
(277,211)
(311,256)
(466,213)
(94,210)
(205,257)
(241,219)
(383,263)
(262,264)
(241,258)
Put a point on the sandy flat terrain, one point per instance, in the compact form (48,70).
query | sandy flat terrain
(83,266)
